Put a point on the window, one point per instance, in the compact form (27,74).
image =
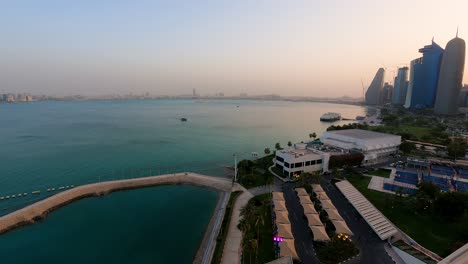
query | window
(307,163)
(298,165)
(313,162)
(286,165)
(280,159)
(319,161)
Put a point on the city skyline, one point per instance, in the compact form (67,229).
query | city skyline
(295,49)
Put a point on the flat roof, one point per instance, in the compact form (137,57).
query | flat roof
(460,256)
(361,134)
(377,221)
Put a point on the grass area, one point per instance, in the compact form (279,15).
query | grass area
(413,252)
(418,133)
(335,251)
(380,172)
(221,239)
(255,173)
(429,230)
(257,226)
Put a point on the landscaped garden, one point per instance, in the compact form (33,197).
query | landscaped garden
(255,173)
(257,228)
(380,172)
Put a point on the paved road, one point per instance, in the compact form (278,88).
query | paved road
(372,249)
(302,236)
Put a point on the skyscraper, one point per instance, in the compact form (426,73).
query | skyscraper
(386,94)
(424,77)
(374,91)
(400,88)
(451,77)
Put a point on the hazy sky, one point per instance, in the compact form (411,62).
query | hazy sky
(307,48)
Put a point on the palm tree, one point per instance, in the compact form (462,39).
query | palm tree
(312,135)
(267,151)
(289,143)
(277,146)
(253,244)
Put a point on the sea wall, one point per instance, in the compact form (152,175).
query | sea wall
(39,210)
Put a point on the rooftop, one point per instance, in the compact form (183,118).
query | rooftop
(361,134)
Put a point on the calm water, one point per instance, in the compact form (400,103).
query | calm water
(51,144)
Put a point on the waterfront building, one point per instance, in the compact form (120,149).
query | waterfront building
(451,77)
(424,77)
(376,147)
(298,159)
(373,94)
(386,94)
(400,87)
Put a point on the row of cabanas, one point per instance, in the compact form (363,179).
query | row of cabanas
(333,214)
(283,227)
(313,218)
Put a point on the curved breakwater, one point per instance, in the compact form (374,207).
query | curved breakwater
(39,210)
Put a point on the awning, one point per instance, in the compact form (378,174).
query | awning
(313,220)
(287,248)
(319,233)
(282,217)
(309,209)
(301,192)
(305,200)
(278,196)
(333,214)
(284,231)
(341,227)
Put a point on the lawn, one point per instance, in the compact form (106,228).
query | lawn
(257,246)
(428,230)
(221,239)
(380,172)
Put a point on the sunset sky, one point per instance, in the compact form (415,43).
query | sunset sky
(291,48)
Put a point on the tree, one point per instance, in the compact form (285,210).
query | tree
(278,146)
(289,143)
(312,135)
(267,151)
(451,205)
(456,148)
(406,147)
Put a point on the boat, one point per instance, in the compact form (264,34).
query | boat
(330,117)
(183,119)
(36,192)
(359,118)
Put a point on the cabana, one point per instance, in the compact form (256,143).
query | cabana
(319,233)
(317,188)
(305,200)
(287,248)
(278,196)
(282,217)
(309,209)
(333,214)
(327,204)
(313,220)
(301,192)
(284,231)
(341,227)
(279,205)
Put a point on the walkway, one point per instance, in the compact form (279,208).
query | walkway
(38,210)
(233,246)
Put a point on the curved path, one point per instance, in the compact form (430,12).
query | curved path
(39,210)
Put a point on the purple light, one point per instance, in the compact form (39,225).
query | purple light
(278,239)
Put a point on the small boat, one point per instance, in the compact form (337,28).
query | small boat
(183,119)
(67,186)
(24,194)
(8,197)
(36,192)
(71,186)
(61,188)
(48,190)
(330,117)
(19,195)
(13,196)
(1,198)
(53,189)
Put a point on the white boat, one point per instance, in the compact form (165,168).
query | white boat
(36,192)
(330,117)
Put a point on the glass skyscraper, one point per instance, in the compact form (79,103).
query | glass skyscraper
(424,77)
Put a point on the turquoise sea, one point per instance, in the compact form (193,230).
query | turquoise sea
(50,144)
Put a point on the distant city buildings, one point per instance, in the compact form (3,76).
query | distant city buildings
(11,98)
(400,86)
(435,81)
(373,94)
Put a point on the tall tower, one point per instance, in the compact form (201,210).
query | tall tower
(399,90)
(374,91)
(451,77)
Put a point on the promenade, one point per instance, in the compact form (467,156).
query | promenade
(39,210)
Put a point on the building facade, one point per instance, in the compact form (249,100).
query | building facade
(424,77)
(400,87)
(376,147)
(298,159)
(373,94)
(451,77)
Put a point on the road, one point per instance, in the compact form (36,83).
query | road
(302,236)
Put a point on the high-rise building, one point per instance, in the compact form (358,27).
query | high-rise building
(400,87)
(386,94)
(375,88)
(463,97)
(424,77)
(451,77)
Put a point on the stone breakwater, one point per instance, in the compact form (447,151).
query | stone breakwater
(39,210)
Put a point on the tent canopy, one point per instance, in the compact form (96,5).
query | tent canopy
(287,248)
(319,233)
(279,205)
(313,220)
(279,196)
(341,227)
(301,192)
(309,209)
(317,188)
(282,217)
(284,231)
(333,214)
(322,196)
(305,200)
(327,204)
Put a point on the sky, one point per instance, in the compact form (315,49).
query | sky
(290,48)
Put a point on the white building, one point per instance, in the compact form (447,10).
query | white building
(298,159)
(375,146)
